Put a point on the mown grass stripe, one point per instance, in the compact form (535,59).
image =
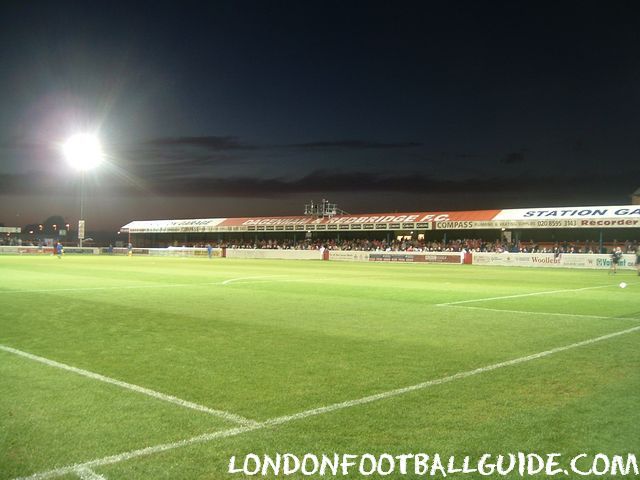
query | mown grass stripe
(231,417)
(315,411)
(262,278)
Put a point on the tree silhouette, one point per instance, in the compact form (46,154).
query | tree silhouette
(48,224)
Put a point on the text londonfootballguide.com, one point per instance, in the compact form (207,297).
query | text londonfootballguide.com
(423,464)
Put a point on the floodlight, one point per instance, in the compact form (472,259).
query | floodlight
(83,151)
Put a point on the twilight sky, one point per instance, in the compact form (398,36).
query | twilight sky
(240,108)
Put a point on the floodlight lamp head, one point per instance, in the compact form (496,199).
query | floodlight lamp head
(83,151)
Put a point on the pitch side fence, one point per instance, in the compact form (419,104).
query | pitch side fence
(546,260)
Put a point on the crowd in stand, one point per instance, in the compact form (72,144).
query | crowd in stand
(458,245)
(413,245)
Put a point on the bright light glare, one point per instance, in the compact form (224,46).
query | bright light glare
(83,151)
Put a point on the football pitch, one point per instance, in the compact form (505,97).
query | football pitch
(165,368)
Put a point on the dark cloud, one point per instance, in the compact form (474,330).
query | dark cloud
(170,156)
(153,159)
(331,182)
(205,142)
(354,145)
(157,163)
(234,143)
(366,182)
(513,158)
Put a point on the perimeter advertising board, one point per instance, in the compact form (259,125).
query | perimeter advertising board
(274,254)
(565,260)
(403,257)
(415,257)
(349,255)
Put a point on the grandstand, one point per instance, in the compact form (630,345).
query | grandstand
(596,227)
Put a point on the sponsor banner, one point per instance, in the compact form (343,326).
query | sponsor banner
(574,213)
(428,257)
(10,229)
(371,218)
(495,224)
(169,226)
(621,216)
(183,252)
(125,251)
(27,250)
(390,257)
(443,258)
(609,223)
(274,254)
(170,252)
(459,225)
(15,250)
(166,252)
(538,223)
(565,260)
(349,255)
(412,257)
(81,251)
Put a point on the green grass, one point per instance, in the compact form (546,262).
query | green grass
(299,335)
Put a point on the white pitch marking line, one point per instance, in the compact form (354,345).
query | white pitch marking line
(241,279)
(232,417)
(557,314)
(127,287)
(283,280)
(83,289)
(520,295)
(207,437)
(86,473)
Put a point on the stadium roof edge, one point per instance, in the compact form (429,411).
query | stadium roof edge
(613,216)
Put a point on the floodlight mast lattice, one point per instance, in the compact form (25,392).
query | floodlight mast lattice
(323,209)
(83,152)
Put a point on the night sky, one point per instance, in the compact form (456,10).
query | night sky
(237,108)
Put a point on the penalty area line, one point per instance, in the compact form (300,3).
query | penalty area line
(554,314)
(143,452)
(231,417)
(522,295)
